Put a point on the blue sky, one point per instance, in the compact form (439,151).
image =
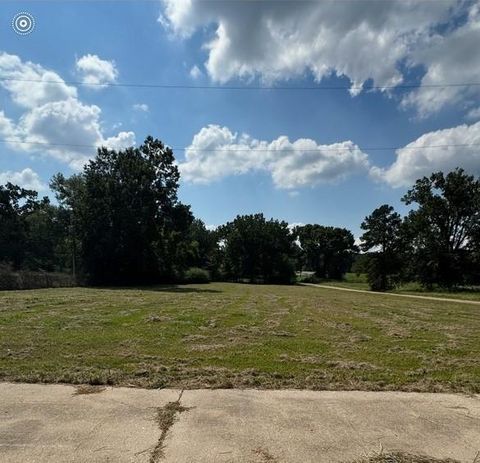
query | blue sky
(274,151)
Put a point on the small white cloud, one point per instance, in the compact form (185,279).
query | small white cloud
(96,71)
(27,178)
(293,194)
(121,141)
(441,150)
(211,227)
(195,72)
(216,152)
(141,107)
(291,226)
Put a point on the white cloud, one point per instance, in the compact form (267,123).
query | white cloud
(216,152)
(358,242)
(279,40)
(453,58)
(359,40)
(291,226)
(96,71)
(27,178)
(73,130)
(414,161)
(195,72)
(8,130)
(141,107)
(120,141)
(25,89)
(59,125)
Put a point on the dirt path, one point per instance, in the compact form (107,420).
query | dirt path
(59,423)
(411,296)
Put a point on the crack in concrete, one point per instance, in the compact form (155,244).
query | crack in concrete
(265,455)
(166,418)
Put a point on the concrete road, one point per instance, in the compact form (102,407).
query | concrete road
(51,424)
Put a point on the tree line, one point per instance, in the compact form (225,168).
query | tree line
(120,222)
(437,243)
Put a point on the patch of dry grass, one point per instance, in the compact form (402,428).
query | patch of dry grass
(399,457)
(264,455)
(166,417)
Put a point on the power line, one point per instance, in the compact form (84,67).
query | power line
(242,1)
(249,1)
(213,150)
(239,87)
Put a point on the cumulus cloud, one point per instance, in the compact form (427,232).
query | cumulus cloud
(8,129)
(216,152)
(358,40)
(96,71)
(141,107)
(120,141)
(27,178)
(451,58)
(58,124)
(283,39)
(447,151)
(31,84)
(72,123)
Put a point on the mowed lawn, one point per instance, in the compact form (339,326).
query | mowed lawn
(235,335)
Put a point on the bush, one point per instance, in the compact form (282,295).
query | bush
(380,275)
(10,279)
(196,275)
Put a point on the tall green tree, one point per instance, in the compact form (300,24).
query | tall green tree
(16,205)
(175,247)
(258,250)
(383,240)
(46,246)
(70,194)
(444,226)
(328,251)
(204,248)
(126,214)
(32,231)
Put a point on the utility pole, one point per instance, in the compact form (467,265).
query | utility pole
(74,248)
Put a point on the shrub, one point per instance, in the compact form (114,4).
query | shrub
(196,275)
(10,279)
(380,275)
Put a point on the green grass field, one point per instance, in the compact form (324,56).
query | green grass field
(234,335)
